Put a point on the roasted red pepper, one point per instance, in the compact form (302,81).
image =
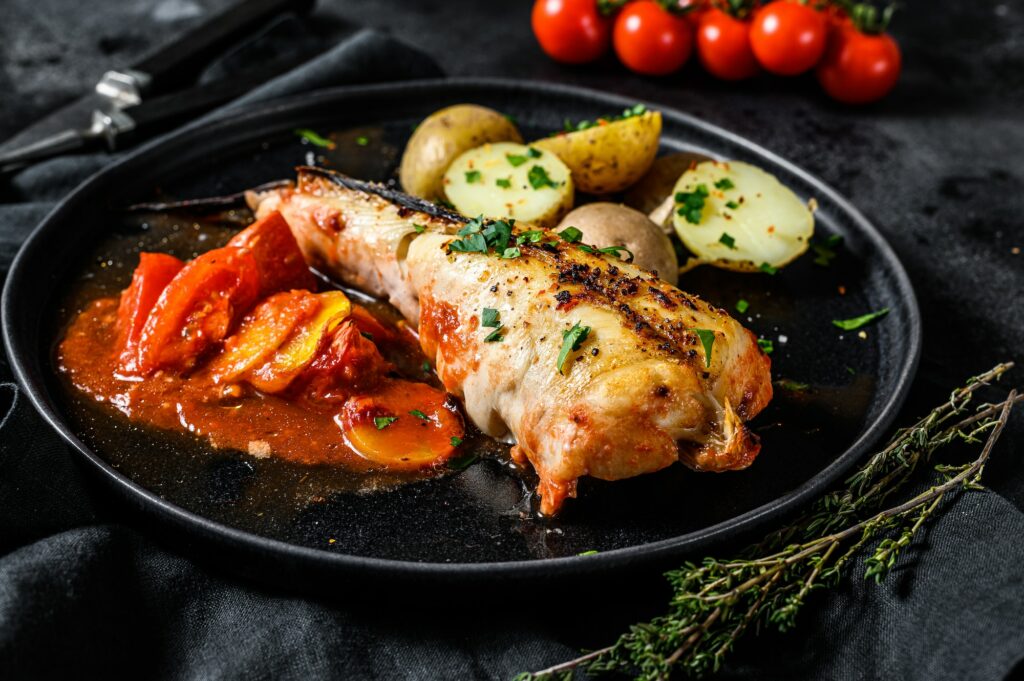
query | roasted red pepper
(277,255)
(151,277)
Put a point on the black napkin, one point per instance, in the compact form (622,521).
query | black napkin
(83,593)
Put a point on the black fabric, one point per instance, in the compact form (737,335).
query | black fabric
(86,592)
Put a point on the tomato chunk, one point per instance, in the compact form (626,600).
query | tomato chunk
(350,364)
(151,277)
(277,254)
(198,309)
(404,425)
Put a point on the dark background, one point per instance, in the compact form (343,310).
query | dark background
(936,166)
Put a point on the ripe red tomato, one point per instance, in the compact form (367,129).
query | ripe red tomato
(858,68)
(571,31)
(651,40)
(723,45)
(787,37)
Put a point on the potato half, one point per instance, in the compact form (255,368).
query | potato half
(444,135)
(608,157)
(657,183)
(736,216)
(508,180)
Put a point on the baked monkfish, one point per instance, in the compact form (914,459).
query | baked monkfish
(587,364)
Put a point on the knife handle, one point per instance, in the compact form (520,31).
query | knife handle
(176,63)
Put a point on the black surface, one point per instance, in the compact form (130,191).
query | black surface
(469,525)
(936,166)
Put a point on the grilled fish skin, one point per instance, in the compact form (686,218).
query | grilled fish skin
(637,395)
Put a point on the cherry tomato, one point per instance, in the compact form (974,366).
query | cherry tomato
(571,31)
(787,37)
(151,277)
(271,242)
(858,68)
(650,40)
(723,45)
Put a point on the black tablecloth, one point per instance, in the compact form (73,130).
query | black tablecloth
(937,166)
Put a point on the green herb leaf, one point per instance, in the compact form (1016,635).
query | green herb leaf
(515,159)
(538,178)
(691,204)
(857,322)
(571,234)
(768,269)
(534,153)
(472,227)
(607,250)
(426,367)
(767,346)
(461,463)
(472,176)
(419,228)
(456,441)
(825,252)
(732,205)
(383,422)
(503,182)
(495,336)
(792,386)
(533,236)
(742,306)
(724,183)
(490,318)
(591,552)
(420,415)
(512,252)
(362,140)
(707,339)
(728,240)
(572,340)
(474,243)
(314,139)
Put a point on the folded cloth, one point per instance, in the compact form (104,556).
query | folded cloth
(83,594)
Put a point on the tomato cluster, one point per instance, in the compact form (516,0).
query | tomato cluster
(855,60)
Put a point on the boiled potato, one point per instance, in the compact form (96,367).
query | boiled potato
(607,158)
(657,183)
(444,135)
(508,180)
(612,224)
(736,216)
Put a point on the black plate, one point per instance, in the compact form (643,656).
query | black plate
(471,525)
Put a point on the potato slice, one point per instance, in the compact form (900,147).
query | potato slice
(508,180)
(444,135)
(609,156)
(736,216)
(657,183)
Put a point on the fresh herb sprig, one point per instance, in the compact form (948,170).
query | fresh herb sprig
(715,603)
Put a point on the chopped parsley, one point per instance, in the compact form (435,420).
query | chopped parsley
(426,367)
(472,176)
(631,112)
(538,178)
(707,339)
(474,243)
(607,250)
(314,139)
(728,240)
(490,318)
(724,183)
(362,140)
(456,441)
(534,153)
(533,236)
(495,336)
(420,415)
(571,234)
(503,182)
(691,204)
(479,238)
(767,347)
(572,339)
(367,335)
(792,386)
(383,422)
(591,552)
(742,306)
(461,463)
(768,269)
(419,228)
(732,205)
(863,320)
(512,252)
(825,252)
(515,159)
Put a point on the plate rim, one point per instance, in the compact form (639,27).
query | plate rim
(30,377)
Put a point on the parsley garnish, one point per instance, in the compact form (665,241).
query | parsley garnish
(857,322)
(691,204)
(794,386)
(727,240)
(490,318)
(742,306)
(472,176)
(314,139)
(591,552)
(533,153)
(533,236)
(504,183)
(419,228)
(732,204)
(383,422)
(767,347)
(707,339)
(635,110)
(724,183)
(495,336)
(456,441)
(362,140)
(516,159)
(474,243)
(461,463)
(825,252)
(539,179)
(512,252)
(426,367)
(420,415)
(607,250)
(571,234)
(572,339)
(478,238)
(768,269)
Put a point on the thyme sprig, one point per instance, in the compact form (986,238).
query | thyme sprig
(715,603)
